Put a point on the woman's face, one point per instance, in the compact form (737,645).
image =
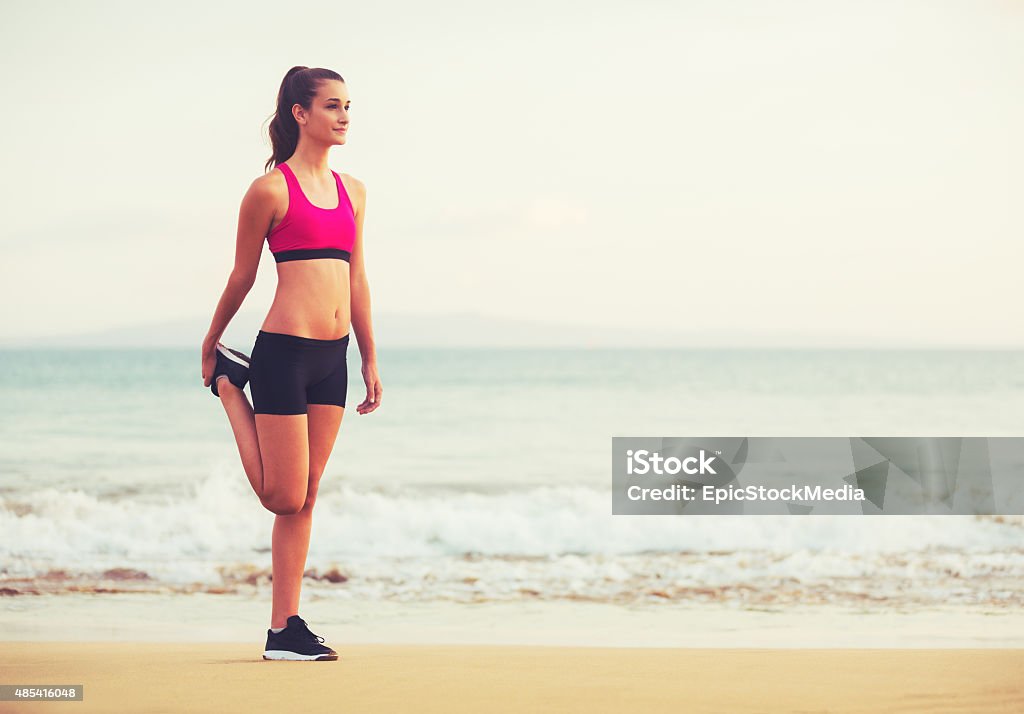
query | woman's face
(327,119)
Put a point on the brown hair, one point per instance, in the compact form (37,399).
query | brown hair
(299,86)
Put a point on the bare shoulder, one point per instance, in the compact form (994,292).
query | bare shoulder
(356,189)
(271,183)
(355,184)
(266,193)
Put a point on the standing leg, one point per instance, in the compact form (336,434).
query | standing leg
(292,532)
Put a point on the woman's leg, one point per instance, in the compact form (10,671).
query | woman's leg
(292,532)
(243,424)
(274,450)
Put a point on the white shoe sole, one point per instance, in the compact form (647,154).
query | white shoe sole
(295,656)
(231,355)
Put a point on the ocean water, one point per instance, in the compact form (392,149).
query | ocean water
(485,477)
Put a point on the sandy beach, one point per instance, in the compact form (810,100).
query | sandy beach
(214,677)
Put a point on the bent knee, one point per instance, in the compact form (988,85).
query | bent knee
(283,505)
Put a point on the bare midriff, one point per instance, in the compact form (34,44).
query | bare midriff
(312,299)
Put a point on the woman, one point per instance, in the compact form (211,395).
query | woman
(312,219)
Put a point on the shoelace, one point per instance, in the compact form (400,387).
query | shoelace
(315,638)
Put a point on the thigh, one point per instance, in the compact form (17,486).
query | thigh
(284,449)
(277,381)
(324,421)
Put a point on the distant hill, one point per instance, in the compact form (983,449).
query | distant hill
(465,329)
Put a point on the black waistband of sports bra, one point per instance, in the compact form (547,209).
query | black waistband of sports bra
(312,253)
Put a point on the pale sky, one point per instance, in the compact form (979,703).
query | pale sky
(834,168)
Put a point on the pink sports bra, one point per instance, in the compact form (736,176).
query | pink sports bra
(308,231)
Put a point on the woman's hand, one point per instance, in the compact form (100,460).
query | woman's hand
(374,389)
(209,361)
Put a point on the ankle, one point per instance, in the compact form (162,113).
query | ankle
(281,623)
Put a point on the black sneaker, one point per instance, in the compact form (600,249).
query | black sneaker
(232,363)
(296,642)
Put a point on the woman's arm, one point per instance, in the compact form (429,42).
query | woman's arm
(362,325)
(254,219)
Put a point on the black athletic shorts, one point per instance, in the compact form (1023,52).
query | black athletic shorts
(287,372)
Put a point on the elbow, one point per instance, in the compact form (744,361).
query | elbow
(242,282)
(358,281)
